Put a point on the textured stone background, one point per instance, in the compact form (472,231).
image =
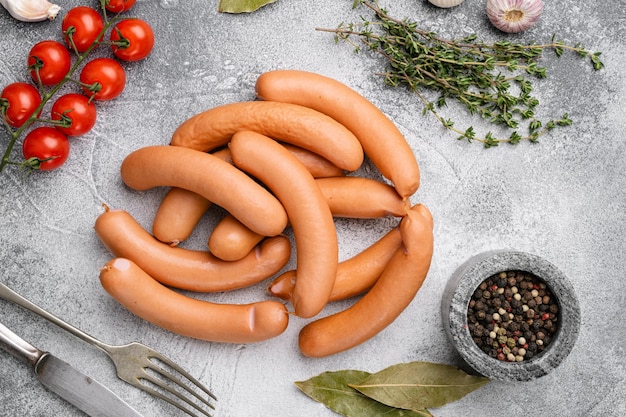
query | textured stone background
(562,199)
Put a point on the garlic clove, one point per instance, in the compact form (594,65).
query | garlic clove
(513,16)
(31,10)
(445,3)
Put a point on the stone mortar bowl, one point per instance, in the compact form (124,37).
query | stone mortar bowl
(457,296)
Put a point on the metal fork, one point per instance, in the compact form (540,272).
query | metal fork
(132,361)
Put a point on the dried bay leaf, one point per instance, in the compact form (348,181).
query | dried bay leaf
(241,6)
(419,385)
(333,390)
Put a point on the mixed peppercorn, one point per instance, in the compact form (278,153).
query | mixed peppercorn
(513,316)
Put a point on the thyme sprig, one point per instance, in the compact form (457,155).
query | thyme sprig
(464,69)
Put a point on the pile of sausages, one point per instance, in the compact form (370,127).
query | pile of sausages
(283,160)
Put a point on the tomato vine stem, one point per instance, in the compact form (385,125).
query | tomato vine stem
(15,134)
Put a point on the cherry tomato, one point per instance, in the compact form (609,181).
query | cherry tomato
(82,26)
(119,6)
(77,110)
(103,78)
(132,39)
(18,102)
(45,148)
(49,61)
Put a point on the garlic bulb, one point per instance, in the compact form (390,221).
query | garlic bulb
(31,10)
(446,3)
(514,16)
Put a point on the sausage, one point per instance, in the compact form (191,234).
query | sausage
(384,302)
(297,125)
(180,211)
(346,196)
(230,240)
(354,276)
(145,297)
(317,165)
(381,140)
(359,197)
(307,210)
(214,179)
(178,214)
(353,197)
(188,269)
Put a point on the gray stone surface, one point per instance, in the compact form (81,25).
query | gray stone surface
(562,199)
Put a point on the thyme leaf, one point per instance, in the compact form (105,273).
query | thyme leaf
(466,70)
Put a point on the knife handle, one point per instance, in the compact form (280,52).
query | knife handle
(18,347)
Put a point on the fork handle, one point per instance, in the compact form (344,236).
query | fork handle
(10,295)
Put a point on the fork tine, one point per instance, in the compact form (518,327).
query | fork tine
(157,394)
(184,373)
(170,377)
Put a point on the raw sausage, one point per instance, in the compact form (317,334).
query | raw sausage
(297,125)
(382,141)
(317,165)
(307,210)
(188,269)
(229,323)
(359,197)
(346,196)
(354,276)
(180,211)
(384,302)
(178,214)
(230,240)
(214,179)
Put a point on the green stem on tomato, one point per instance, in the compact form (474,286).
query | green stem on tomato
(14,135)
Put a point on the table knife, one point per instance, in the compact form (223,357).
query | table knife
(61,378)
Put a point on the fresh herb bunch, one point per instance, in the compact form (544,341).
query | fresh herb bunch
(463,69)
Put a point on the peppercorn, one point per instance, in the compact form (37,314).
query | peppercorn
(512,316)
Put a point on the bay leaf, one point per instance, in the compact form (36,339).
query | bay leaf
(241,6)
(333,390)
(419,385)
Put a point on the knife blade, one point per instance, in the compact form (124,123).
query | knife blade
(58,376)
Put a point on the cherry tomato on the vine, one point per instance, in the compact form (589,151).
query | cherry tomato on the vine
(119,6)
(49,61)
(77,110)
(103,78)
(18,102)
(132,39)
(82,26)
(45,148)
